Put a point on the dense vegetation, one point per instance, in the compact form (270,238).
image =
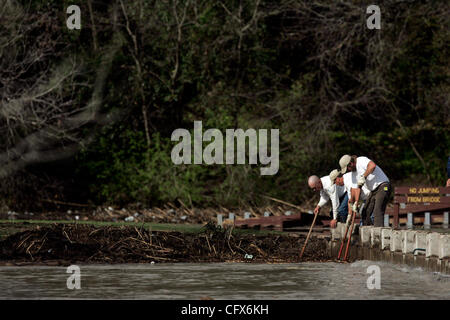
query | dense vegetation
(87,115)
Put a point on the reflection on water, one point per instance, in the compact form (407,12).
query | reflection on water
(224,281)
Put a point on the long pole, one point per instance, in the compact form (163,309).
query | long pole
(309,233)
(343,241)
(350,236)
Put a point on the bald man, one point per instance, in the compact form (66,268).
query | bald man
(330,191)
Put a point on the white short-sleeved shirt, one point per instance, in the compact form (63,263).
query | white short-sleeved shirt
(374,179)
(350,182)
(330,192)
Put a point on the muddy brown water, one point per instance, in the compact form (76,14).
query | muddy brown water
(309,280)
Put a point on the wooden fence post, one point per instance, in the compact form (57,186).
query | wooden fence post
(396,213)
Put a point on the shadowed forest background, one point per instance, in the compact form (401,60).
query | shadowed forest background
(86,115)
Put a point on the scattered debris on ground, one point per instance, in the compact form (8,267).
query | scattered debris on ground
(71,243)
(169,213)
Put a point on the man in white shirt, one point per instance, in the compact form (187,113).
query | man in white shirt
(366,172)
(330,191)
(351,187)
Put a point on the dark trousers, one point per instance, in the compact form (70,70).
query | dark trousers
(343,208)
(376,205)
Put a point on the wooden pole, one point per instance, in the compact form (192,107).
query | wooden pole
(396,213)
(309,233)
(343,241)
(350,236)
(284,202)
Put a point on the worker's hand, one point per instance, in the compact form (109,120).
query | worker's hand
(333,223)
(316,210)
(448,183)
(355,207)
(361,181)
(349,218)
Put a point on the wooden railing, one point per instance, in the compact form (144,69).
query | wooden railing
(420,205)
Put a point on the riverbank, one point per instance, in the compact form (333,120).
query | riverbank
(64,244)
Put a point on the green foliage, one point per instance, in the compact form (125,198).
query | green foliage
(250,81)
(330,90)
(122,169)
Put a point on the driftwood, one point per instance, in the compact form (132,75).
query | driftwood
(89,244)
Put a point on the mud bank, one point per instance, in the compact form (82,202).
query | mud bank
(62,244)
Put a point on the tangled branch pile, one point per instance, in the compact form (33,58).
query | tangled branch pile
(88,244)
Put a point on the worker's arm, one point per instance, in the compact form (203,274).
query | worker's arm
(357,193)
(349,204)
(370,168)
(334,201)
(335,204)
(351,200)
(323,199)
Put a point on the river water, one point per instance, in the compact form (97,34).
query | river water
(224,281)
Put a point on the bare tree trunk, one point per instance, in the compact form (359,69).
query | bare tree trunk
(94,29)
(39,120)
(413,147)
(139,74)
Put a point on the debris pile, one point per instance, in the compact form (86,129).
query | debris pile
(66,244)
